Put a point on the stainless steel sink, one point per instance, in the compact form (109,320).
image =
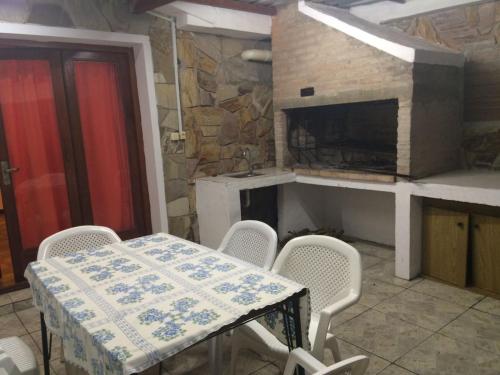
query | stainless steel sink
(245,175)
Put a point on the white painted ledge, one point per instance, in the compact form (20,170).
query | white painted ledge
(219,21)
(385,11)
(388,40)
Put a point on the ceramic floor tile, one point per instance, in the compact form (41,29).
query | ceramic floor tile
(23,305)
(57,367)
(379,251)
(368,261)
(381,334)
(348,314)
(476,328)
(6,309)
(194,361)
(5,299)
(10,325)
(395,370)
(384,271)
(348,350)
(56,344)
(489,305)
(440,355)
(270,369)
(420,309)
(447,293)
(20,295)
(30,318)
(375,291)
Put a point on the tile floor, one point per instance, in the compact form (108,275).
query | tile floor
(405,327)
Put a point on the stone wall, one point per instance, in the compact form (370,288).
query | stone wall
(227,107)
(474,30)
(227,102)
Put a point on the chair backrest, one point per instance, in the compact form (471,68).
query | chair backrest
(76,239)
(252,241)
(329,267)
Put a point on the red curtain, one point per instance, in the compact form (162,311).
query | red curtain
(33,143)
(104,138)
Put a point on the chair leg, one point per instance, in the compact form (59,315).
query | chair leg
(235,351)
(333,345)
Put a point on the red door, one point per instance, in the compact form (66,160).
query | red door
(69,147)
(34,182)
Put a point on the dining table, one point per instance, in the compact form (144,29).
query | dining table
(124,308)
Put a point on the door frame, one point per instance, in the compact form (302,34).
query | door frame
(144,74)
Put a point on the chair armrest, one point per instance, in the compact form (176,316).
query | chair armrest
(335,308)
(325,318)
(299,357)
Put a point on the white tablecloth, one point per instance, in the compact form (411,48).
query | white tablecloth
(125,307)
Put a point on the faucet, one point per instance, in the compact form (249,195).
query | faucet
(247,155)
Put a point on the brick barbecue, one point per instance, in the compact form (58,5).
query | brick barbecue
(340,104)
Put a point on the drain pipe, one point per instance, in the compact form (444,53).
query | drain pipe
(259,55)
(173,32)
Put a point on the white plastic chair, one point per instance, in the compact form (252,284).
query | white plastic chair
(352,366)
(75,239)
(252,241)
(331,269)
(16,358)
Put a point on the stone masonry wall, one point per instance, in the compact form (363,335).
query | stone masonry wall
(227,102)
(340,68)
(227,107)
(474,30)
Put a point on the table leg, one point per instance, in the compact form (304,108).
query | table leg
(45,346)
(295,302)
(215,355)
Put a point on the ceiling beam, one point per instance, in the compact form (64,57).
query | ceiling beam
(141,6)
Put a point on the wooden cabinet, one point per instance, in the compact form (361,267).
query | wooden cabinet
(485,231)
(445,245)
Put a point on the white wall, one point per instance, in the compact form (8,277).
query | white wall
(368,215)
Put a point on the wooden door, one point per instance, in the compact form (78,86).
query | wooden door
(486,252)
(107,141)
(445,244)
(36,159)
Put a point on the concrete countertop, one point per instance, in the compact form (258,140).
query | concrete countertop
(268,177)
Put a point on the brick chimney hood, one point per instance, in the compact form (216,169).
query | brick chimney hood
(327,62)
(386,39)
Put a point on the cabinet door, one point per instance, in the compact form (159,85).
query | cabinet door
(486,252)
(445,243)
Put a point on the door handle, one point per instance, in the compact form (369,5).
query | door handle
(7,171)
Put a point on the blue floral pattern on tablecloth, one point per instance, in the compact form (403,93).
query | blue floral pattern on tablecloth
(123,308)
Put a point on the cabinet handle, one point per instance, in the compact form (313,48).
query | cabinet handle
(460,225)
(476,226)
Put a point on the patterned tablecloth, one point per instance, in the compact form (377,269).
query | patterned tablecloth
(125,307)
